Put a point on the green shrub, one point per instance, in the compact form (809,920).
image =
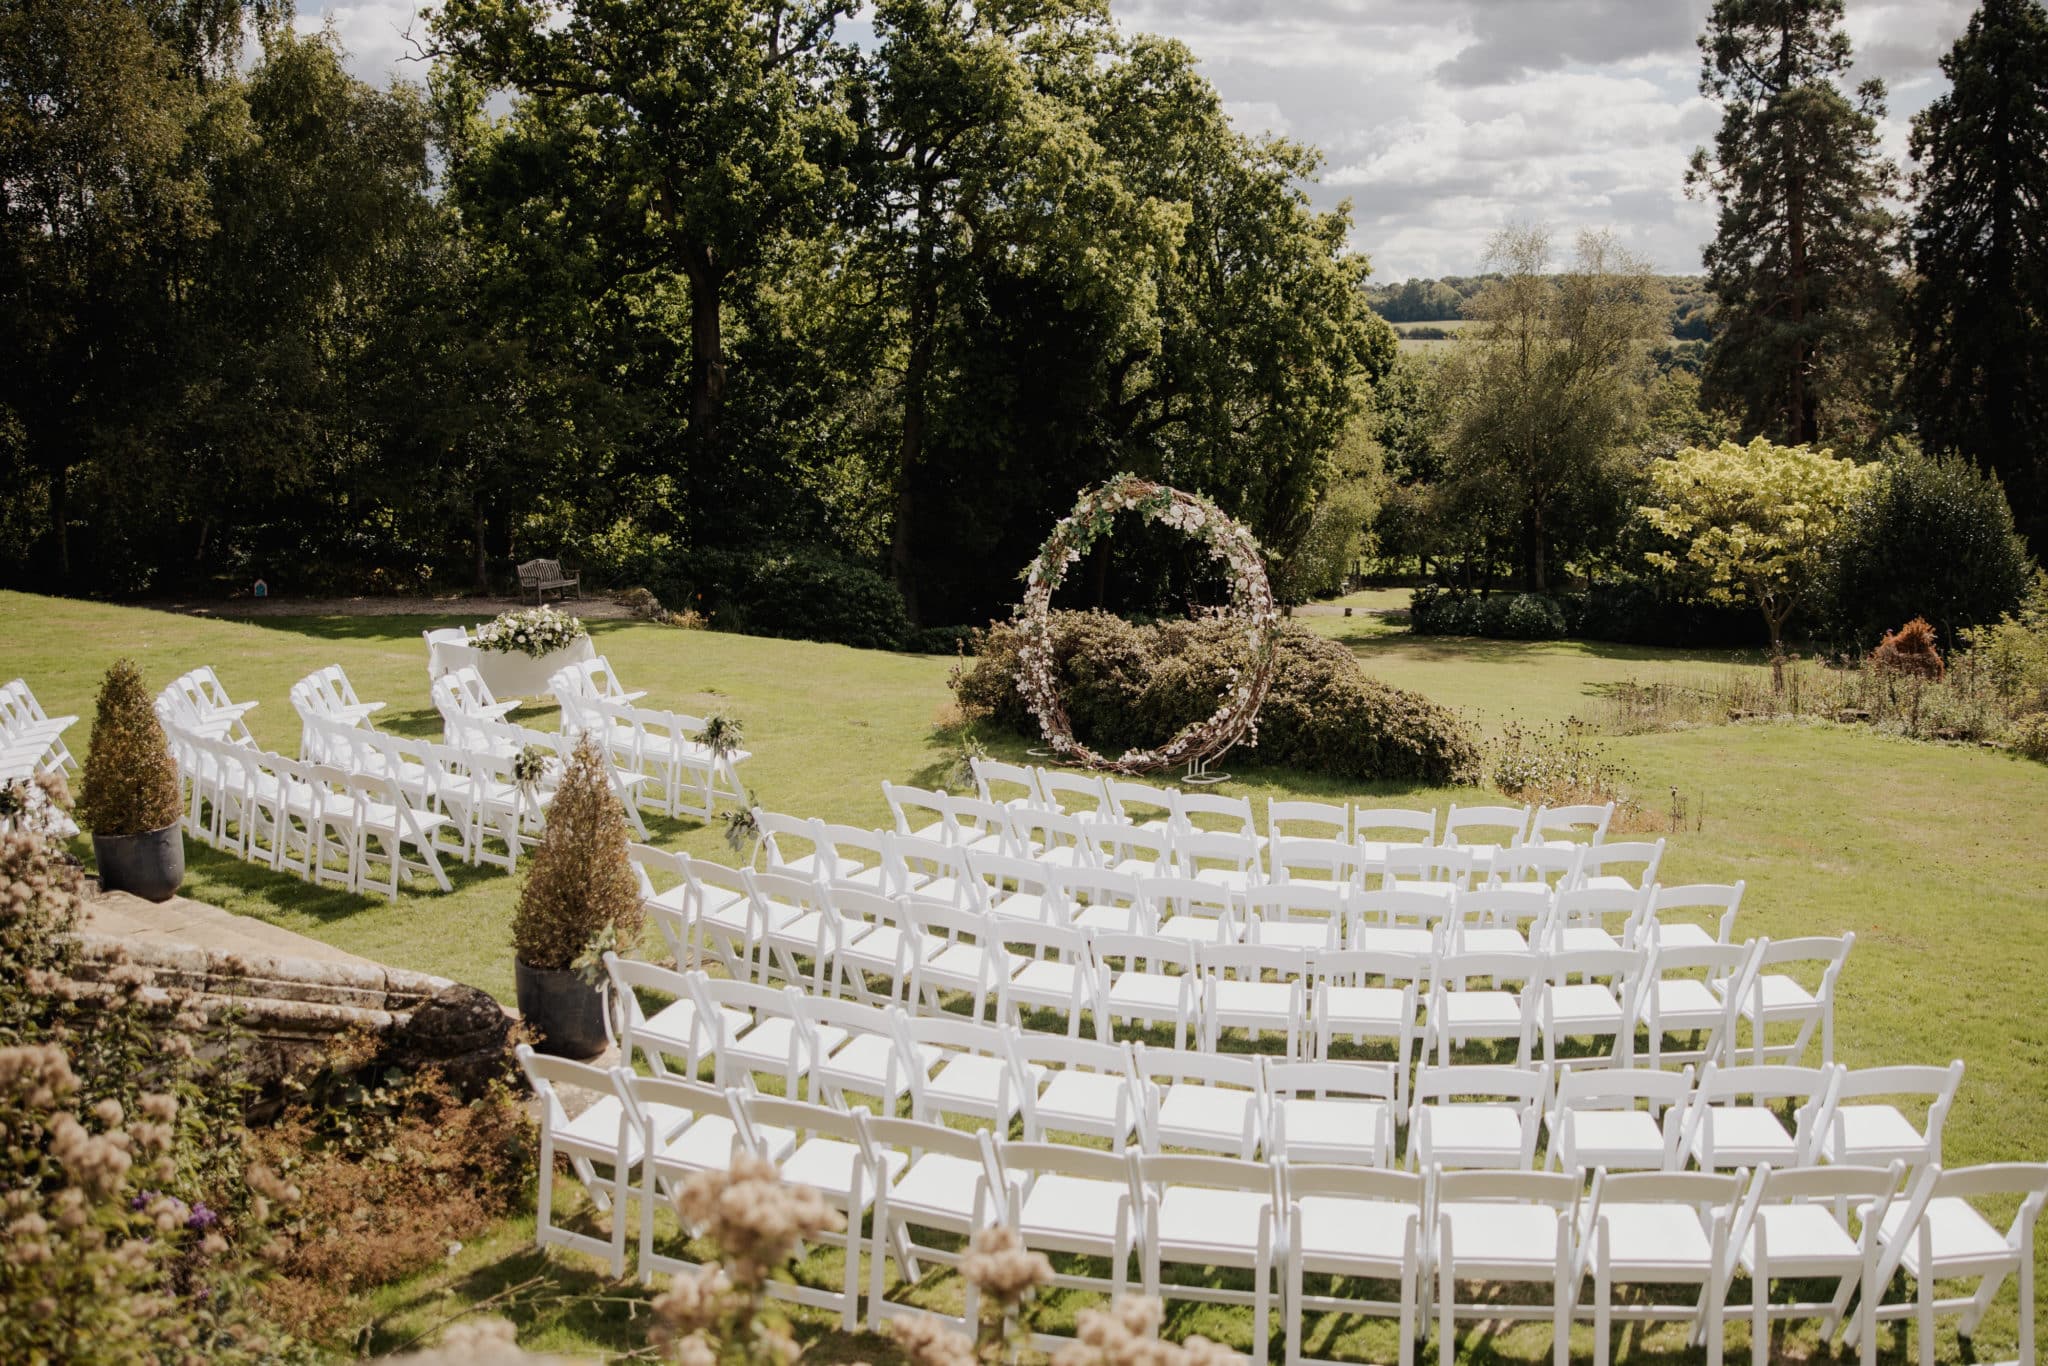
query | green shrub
(580,889)
(1934,538)
(131,785)
(2012,652)
(1438,611)
(2029,736)
(1127,686)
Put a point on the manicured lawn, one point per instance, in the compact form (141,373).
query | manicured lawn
(1932,854)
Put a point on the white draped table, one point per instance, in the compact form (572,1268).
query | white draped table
(508,673)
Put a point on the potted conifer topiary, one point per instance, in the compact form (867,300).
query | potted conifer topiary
(131,797)
(579,899)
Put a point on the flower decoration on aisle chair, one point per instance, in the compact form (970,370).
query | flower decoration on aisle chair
(1251,604)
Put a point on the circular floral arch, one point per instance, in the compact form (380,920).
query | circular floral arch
(1251,604)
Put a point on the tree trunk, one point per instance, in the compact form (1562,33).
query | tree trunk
(1799,420)
(924,308)
(482,581)
(1535,569)
(60,520)
(707,342)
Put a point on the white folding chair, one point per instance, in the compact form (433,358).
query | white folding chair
(1354,1225)
(1601,1004)
(1200,812)
(1475,1117)
(1864,1126)
(672,1031)
(868,1058)
(1147,980)
(1605,866)
(1378,830)
(1083,795)
(1706,1007)
(995,780)
(1312,859)
(1777,998)
(600,1135)
(1582,917)
(685,1128)
(1140,803)
(772,1043)
(949,1183)
(1009,888)
(1345,1002)
(1140,851)
(1222,859)
(1662,1229)
(1204,1212)
(978,826)
(1939,1234)
(1212,1102)
(960,950)
(1401,919)
(834,1157)
(1675,912)
(1051,969)
(891,943)
(1051,838)
(1459,1014)
(1340,1113)
(919,813)
(1096,900)
(1584,823)
(1237,994)
(791,919)
(1513,1227)
(1623,1119)
(1081,1087)
(1498,919)
(1078,1201)
(1485,831)
(1722,1133)
(972,1072)
(1194,912)
(1798,1224)
(1296,915)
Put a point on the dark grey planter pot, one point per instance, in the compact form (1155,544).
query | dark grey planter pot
(566,1011)
(149,865)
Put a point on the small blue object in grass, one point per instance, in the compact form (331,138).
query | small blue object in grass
(262,589)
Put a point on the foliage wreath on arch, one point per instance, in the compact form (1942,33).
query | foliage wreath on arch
(1251,603)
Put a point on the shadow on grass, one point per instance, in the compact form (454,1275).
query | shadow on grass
(1483,650)
(281,891)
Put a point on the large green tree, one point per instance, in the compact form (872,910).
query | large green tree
(1800,262)
(1541,392)
(1978,381)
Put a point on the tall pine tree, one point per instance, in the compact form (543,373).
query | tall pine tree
(1799,264)
(1979,312)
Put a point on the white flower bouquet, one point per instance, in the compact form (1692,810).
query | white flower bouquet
(534,631)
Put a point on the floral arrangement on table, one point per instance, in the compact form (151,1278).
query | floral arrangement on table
(535,631)
(1251,604)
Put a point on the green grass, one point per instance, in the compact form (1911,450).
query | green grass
(1932,854)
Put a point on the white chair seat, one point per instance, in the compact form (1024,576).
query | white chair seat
(1616,1138)
(1046,979)
(1682,934)
(1515,1241)
(705,1146)
(1339,1235)
(596,1130)
(1268,1000)
(1779,993)
(1650,1242)
(1214,1227)
(1395,939)
(1682,1001)
(1580,938)
(865,1064)
(1360,1008)
(1295,934)
(878,947)
(1583,1006)
(1196,929)
(1026,906)
(938,1192)
(1745,1136)
(675,1022)
(769,1044)
(973,1085)
(1144,992)
(1465,1134)
(1331,1130)
(827,1165)
(1803,1239)
(1959,1234)
(1492,939)
(958,962)
(1062,1212)
(1108,920)
(1872,1134)
(1496,1010)
(1205,1115)
(1086,1103)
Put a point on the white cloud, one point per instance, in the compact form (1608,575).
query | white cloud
(1443,120)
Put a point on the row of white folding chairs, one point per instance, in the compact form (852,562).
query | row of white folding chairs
(769,924)
(1241,856)
(31,740)
(327,695)
(197,703)
(1310,909)
(492,815)
(1099,797)
(1284,1220)
(1233,1102)
(661,745)
(313,820)
(475,734)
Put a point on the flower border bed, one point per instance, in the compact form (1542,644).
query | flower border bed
(1251,602)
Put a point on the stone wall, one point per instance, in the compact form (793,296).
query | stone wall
(288,1012)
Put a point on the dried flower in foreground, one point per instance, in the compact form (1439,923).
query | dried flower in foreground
(756,1219)
(929,1342)
(1001,1267)
(1127,1334)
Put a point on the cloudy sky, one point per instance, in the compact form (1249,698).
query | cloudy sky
(1442,120)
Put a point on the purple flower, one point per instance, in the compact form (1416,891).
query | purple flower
(201,1218)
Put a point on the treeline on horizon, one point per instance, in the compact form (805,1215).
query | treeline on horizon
(820,337)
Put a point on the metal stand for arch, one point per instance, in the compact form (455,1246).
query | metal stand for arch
(1198,774)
